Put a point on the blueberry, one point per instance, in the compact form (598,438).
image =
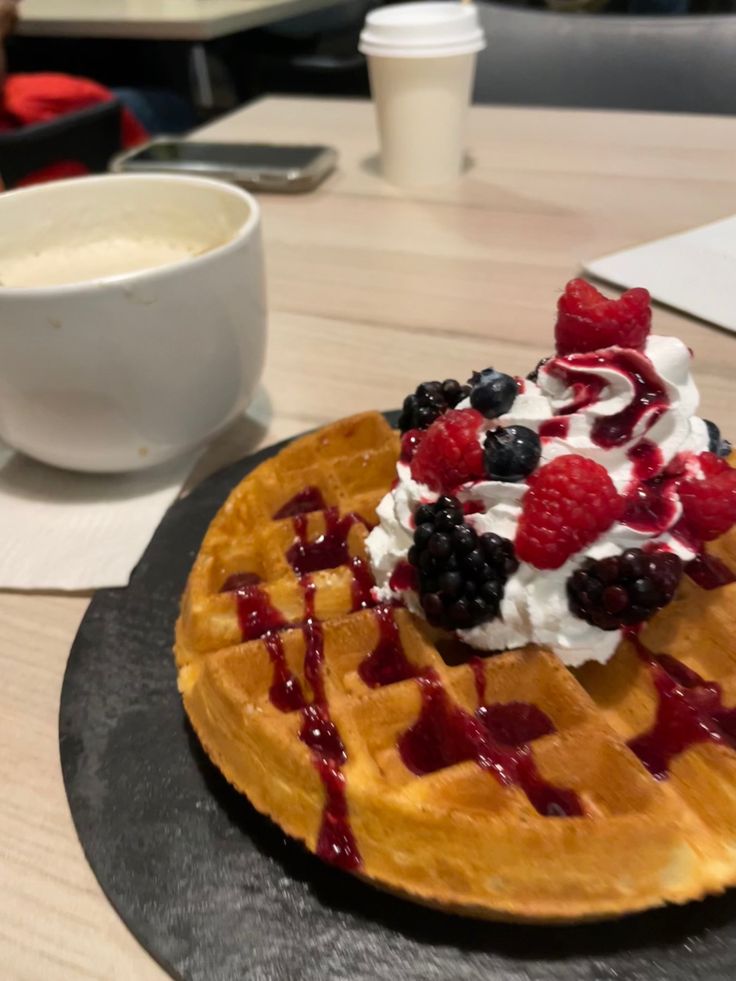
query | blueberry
(492,392)
(511,453)
(716,443)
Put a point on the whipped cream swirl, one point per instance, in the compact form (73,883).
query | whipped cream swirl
(631,413)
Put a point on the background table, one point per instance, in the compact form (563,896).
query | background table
(371,290)
(169,20)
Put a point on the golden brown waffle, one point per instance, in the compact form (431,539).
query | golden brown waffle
(359,731)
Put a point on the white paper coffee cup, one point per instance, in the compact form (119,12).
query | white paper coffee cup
(421,62)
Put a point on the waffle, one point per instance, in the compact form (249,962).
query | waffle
(357,729)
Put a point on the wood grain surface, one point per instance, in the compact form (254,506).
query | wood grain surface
(371,290)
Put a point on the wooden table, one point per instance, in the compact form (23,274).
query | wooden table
(371,289)
(168,20)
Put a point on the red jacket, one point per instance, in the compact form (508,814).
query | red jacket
(37,98)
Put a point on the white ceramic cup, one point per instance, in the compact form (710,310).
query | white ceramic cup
(132,317)
(421,62)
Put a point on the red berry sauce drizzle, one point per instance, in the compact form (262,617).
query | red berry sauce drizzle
(650,396)
(362,584)
(335,841)
(473,506)
(240,580)
(256,613)
(651,506)
(403,577)
(304,501)
(690,710)
(309,591)
(387,663)
(551,428)
(651,501)
(259,618)
(709,572)
(329,549)
(497,738)
(285,692)
(647,459)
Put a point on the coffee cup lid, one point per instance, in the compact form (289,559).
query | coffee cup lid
(422,30)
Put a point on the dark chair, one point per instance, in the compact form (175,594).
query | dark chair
(663,63)
(315,53)
(89,136)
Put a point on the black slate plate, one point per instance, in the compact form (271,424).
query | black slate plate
(214,891)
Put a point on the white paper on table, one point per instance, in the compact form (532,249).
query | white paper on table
(64,530)
(695,271)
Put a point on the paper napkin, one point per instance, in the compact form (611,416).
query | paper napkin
(63,530)
(694,271)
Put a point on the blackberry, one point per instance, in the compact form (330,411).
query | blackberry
(511,453)
(461,574)
(492,393)
(716,443)
(534,373)
(429,401)
(623,590)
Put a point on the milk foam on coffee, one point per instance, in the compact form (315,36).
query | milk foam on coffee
(78,262)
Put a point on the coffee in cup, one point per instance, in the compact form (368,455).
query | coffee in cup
(132,317)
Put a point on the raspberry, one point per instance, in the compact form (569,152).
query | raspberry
(711,464)
(623,590)
(450,453)
(709,505)
(587,320)
(570,502)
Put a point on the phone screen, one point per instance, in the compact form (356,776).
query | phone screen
(250,156)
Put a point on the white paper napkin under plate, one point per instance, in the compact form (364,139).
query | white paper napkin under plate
(71,531)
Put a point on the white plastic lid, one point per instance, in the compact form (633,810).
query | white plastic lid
(422,30)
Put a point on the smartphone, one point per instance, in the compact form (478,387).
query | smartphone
(255,166)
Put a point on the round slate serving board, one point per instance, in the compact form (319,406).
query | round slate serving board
(214,891)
